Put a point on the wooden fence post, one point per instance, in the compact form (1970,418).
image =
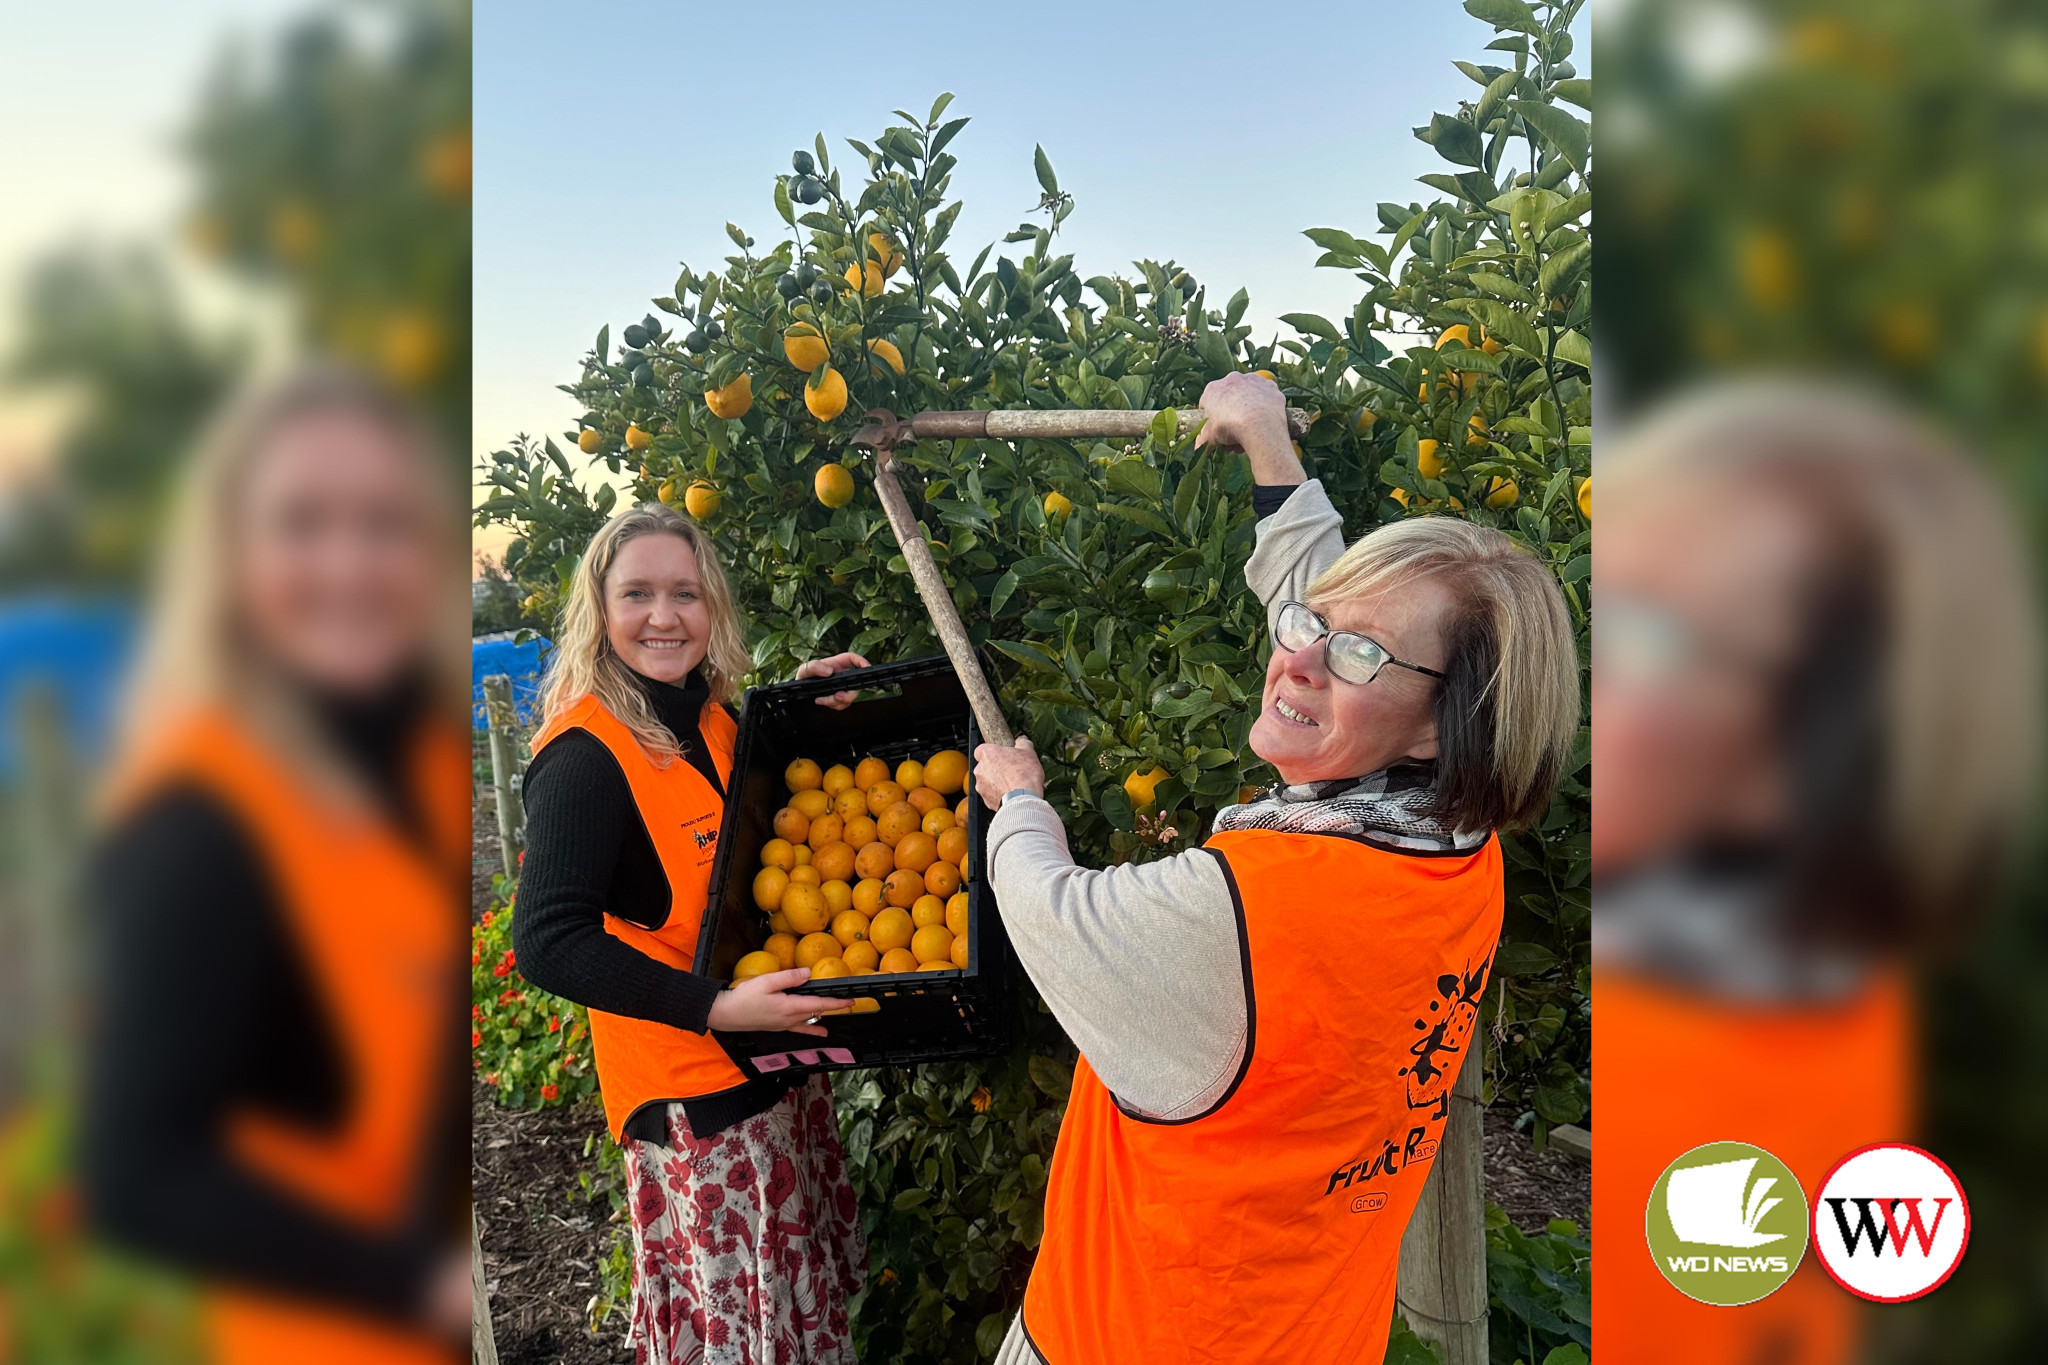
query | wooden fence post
(483,1345)
(47,834)
(1442,1285)
(505,769)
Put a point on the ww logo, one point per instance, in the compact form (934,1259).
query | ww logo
(1896,1222)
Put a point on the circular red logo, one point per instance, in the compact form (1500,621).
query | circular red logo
(1890,1222)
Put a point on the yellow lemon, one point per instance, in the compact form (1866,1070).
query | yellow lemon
(867,896)
(589,440)
(1057,504)
(1267,374)
(1460,333)
(956,914)
(1475,430)
(882,353)
(898,960)
(701,500)
(960,951)
(804,346)
(933,943)
(1502,492)
(834,487)
(873,278)
(784,948)
(804,908)
(838,897)
(733,400)
(909,775)
(890,929)
(945,772)
(836,779)
(825,395)
(769,884)
(849,926)
(828,967)
(637,439)
(1140,786)
(753,965)
(1428,463)
(862,956)
(803,774)
(778,853)
(1400,495)
(1363,422)
(885,251)
(667,493)
(814,948)
(1586,497)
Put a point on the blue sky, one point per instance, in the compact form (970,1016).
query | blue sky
(615,140)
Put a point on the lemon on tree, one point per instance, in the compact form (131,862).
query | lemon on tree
(833,484)
(733,400)
(701,500)
(883,352)
(1428,463)
(590,440)
(805,347)
(825,394)
(636,439)
(1141,786)
(869,281)
(1057,504)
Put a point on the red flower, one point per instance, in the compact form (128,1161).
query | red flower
(510,997)
(491,1079)
(476,1039)
(649,1203)
(554,1023)
(476,1014)
(502,969)
(781,1181)
(511,959)
(488,917)
(550,1091)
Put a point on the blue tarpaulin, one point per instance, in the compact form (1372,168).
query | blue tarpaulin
(75,648)
(523,663)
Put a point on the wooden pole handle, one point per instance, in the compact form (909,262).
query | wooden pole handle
(1052,424)
(938,604)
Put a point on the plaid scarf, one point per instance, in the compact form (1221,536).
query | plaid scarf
(1390,806)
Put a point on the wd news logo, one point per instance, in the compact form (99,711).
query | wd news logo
(1727,1223)
(1890,1222)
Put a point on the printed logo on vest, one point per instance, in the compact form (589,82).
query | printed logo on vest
(1446,1027)
(1890,1222)
(1389,1160)
(1727,1223)
(1372,1201)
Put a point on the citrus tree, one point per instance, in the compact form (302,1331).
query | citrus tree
(1101,582)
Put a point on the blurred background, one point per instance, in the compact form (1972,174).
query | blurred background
(1819,878)
(203,198)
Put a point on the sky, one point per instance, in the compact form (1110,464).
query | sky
(614,141)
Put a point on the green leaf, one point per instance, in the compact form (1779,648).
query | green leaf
(1031,656)
(1503,323)
(1142,516)
(1336,239)
(1578,89)
(1000,594)
(1053,1077)
(783,208)
(1573,347)
(1510,14)
(911,1198)
(1497,90)
(1046,179)
(1523,959)
(1565,135)
(1313,325)
(1135,478)
(1165,426)
(931,120)
(1453,138)
(988,1336)
(1561,269)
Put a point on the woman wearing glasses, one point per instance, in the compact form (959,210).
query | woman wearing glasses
(1270,1025)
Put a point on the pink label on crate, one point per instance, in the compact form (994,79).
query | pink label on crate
(777,1061)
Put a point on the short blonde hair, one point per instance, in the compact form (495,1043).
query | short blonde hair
(1912,726)
(583,663)
(1507,709)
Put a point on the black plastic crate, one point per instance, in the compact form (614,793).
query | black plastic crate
(907,709)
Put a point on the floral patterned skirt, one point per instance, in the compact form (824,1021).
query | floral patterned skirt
(746,1244)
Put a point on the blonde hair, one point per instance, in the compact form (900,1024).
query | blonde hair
(1939,688)
(583,664)
(1507,709)
(194,653)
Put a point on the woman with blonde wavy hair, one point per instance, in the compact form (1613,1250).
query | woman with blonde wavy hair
(274,1093)
(745,1241)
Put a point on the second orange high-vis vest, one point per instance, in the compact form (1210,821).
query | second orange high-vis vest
(1269,1228)
(1808,1083)
(380,927)
(641,1062)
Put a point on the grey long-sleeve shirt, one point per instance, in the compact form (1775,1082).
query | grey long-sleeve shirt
(1167,1040)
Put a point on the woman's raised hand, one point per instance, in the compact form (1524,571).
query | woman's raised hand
(825,668)
(999,771)
(1246,412)
(761,1004)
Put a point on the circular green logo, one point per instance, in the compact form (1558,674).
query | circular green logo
(1727,1223)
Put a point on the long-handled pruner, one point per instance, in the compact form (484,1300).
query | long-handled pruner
(884,432)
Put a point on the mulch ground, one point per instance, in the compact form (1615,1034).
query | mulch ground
(542,1242)
(1534,1187)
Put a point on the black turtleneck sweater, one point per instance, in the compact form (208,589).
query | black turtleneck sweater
(203,1006)
(588,855)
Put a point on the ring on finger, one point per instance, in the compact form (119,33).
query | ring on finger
(812,1020)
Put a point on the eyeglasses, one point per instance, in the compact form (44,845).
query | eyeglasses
(1353,657)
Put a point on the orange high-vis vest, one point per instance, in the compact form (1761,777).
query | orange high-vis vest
(379,925)
(1808,1083)
(640,1062)
(1269,1228)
